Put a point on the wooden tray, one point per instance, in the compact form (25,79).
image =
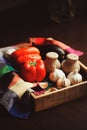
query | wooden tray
(59,96)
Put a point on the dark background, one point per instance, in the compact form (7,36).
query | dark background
(27,18)
(31,18)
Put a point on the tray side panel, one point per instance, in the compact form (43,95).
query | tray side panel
(59,97)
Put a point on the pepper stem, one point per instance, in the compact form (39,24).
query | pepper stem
(33,63)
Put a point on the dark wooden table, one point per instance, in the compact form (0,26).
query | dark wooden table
(16,26)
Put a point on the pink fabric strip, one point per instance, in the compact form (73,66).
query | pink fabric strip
(65,47)
(71,50)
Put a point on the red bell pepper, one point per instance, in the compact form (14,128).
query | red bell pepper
(33,70)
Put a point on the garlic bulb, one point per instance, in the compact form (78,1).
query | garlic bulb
(56,74)
(75,77)
(64,82)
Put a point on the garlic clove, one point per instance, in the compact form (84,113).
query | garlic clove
(53,76)
(66,82)
(60,73)
(61,83)
(56,74)
(43,85)
(75,77)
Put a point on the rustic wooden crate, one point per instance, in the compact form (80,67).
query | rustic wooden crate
(60,96)
(67,94)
